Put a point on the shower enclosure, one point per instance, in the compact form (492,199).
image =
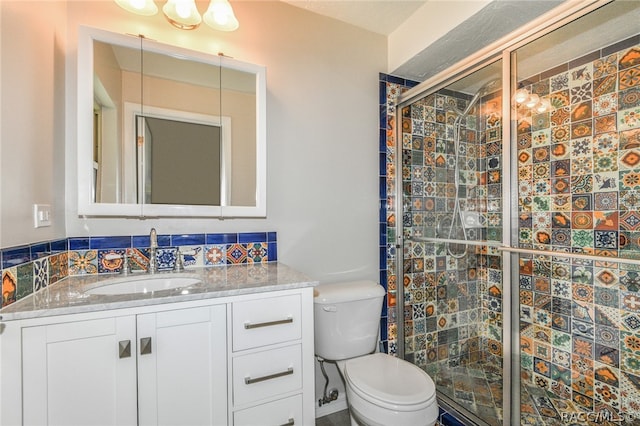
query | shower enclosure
(451,225)
(511,198)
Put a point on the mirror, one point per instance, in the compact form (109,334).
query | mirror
(165,131)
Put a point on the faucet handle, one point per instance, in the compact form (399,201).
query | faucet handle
(126,265)
(179,265)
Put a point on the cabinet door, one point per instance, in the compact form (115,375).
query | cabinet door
(79,373)
(182,367)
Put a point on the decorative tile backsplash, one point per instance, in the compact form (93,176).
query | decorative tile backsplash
(30,268)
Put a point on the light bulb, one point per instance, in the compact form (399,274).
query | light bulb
(543,106)
(137,4)
(183,9)
(521,95)
(139,7)
(219,16)
(182,14)
(532,101)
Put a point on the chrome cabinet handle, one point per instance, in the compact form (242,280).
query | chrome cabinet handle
(248,325)
(291,422)
(249,380)
(124,349)
(145,345)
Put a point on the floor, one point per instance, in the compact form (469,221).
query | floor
(477,387)
(340,418)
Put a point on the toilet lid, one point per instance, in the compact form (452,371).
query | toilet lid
(390,379)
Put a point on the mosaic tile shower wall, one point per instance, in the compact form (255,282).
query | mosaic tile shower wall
(453,303)
(579,191)
(390,89)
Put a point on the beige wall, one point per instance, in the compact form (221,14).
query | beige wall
(322,128)
(32,128)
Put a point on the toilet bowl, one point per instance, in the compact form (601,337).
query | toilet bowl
(383,390)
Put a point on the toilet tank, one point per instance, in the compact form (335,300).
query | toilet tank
(347,318)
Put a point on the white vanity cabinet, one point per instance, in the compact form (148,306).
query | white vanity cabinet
(72,374)
(270,360)
(164,367)
(243,360)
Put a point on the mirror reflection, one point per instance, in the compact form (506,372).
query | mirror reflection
(171,129)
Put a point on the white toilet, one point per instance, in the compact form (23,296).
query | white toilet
(382,390)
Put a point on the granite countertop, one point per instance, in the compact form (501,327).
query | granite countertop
(70,296)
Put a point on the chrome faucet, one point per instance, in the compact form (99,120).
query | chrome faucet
(153,245)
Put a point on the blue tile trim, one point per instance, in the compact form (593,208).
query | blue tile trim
(164,240)
(15,256)
(109,242)
(383,258)
(383,115)
(383,92)
(60,245)
(40,250)
(140,241)
(383,187)
(383,234)
(188,240)
(383,326)
(396,80)
(383,141)
(448,420)
(222,238)
(272,236)
(383,164)
(252,237)
(383,279)
(79,243)
(272,252)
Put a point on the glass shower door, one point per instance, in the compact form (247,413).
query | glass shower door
(452,286)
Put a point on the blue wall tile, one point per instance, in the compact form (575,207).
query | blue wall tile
(79,243)
(252,237)
(40,250)
(222,238)
(272,253)
(109,242)
(15,256)
(272,237)
(188,240)
(448,420)
(59,245)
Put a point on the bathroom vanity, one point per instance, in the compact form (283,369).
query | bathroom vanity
(221,345)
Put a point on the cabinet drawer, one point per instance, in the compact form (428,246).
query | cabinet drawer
(266,321)
(268,373)
(287,411)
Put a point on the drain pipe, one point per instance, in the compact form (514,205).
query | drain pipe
(333,394)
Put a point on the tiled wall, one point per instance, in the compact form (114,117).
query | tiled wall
(390,88)
(30,268)
(579,191)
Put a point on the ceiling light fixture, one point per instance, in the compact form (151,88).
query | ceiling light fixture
(140,7)
(220,16)
(183,14)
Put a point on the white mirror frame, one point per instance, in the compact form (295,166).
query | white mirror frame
(86,205)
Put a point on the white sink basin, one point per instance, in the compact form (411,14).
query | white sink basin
(145,284)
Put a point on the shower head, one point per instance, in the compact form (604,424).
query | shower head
(485,89)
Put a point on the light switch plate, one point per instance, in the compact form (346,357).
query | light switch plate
(41,215)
